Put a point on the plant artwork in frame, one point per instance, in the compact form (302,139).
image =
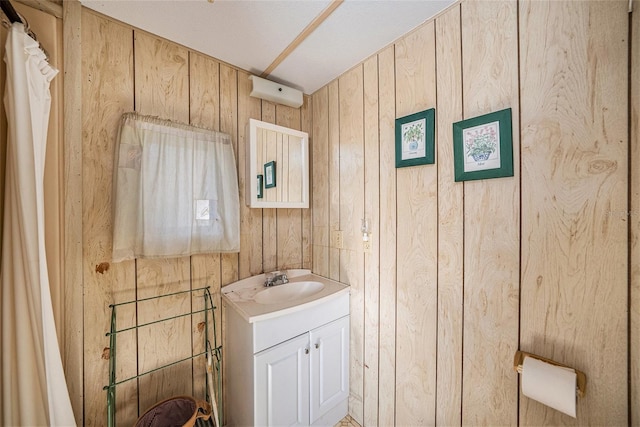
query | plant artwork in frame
(270,174)
(483,147)
(415,135)
(260,184)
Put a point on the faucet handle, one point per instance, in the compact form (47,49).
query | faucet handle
(275,278)
(269,278)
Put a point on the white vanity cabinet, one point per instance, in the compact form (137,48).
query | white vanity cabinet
(286,363)
(301,380)
(282,384)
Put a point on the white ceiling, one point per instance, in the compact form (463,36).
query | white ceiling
(251,34)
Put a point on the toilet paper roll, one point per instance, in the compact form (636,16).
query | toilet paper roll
(554,386)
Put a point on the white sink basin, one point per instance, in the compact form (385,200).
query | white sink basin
(305,291)
(288,292)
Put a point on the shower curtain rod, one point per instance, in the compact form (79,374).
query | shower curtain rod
(13,16)
(9,11)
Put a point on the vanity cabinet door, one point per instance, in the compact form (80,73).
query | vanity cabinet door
(282,384)
(329,366)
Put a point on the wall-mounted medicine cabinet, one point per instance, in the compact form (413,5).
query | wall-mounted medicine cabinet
(277,167)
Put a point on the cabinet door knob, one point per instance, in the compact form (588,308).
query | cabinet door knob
(318,345)
(306,351)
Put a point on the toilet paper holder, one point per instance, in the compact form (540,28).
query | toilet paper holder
(581,378)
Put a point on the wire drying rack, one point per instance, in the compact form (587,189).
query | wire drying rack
(212,352)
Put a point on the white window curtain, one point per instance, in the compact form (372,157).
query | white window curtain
(34,390)
(176,190)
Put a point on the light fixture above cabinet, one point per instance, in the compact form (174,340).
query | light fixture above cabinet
(275,92)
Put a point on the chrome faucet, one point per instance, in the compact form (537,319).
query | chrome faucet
(276,278)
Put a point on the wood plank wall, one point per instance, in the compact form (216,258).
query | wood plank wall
(491,222)
(417,208)
(123,70)
(450,223)
(461,275)
(634,216)
(73,263)
(3,125)
(575,233)
(433,339)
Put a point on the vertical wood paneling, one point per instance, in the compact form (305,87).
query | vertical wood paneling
(270,142)
(351,211)
(568,83)
(72,181)
(3,125)
(450,220)
(205,271)
(278,158)
(289,221)
(574,251)
(387,334)
(417,242)
(229,125)
(334,179)
(204,99)
(250,258)
(162,89)
(161,78)
(159,277)
(269,218)
(107,85)
(54,177)
(372,258)
(320,182)
(306,125)
(3,146)
(491,227)
(634,216)
(283,153)
(176,84)
(204,91)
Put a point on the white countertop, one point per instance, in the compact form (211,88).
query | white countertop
(240,295)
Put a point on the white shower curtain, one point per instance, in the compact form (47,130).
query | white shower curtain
(34,390)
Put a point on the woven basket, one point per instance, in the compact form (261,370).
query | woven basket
(179,411)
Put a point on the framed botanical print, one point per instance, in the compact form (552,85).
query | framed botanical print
(270,174)
(415,139)
(260,185)
(483,147)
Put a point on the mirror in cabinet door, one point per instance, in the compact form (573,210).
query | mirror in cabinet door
(277,167)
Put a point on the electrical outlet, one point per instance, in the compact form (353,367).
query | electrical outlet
(366,246)
(338,242)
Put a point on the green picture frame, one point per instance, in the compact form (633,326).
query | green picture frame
(270,174)
(415,139)
(483,147)
(260,185)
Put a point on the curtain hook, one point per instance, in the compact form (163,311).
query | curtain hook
(27,30)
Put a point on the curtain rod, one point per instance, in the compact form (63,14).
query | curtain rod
(13,16)
(9,11)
